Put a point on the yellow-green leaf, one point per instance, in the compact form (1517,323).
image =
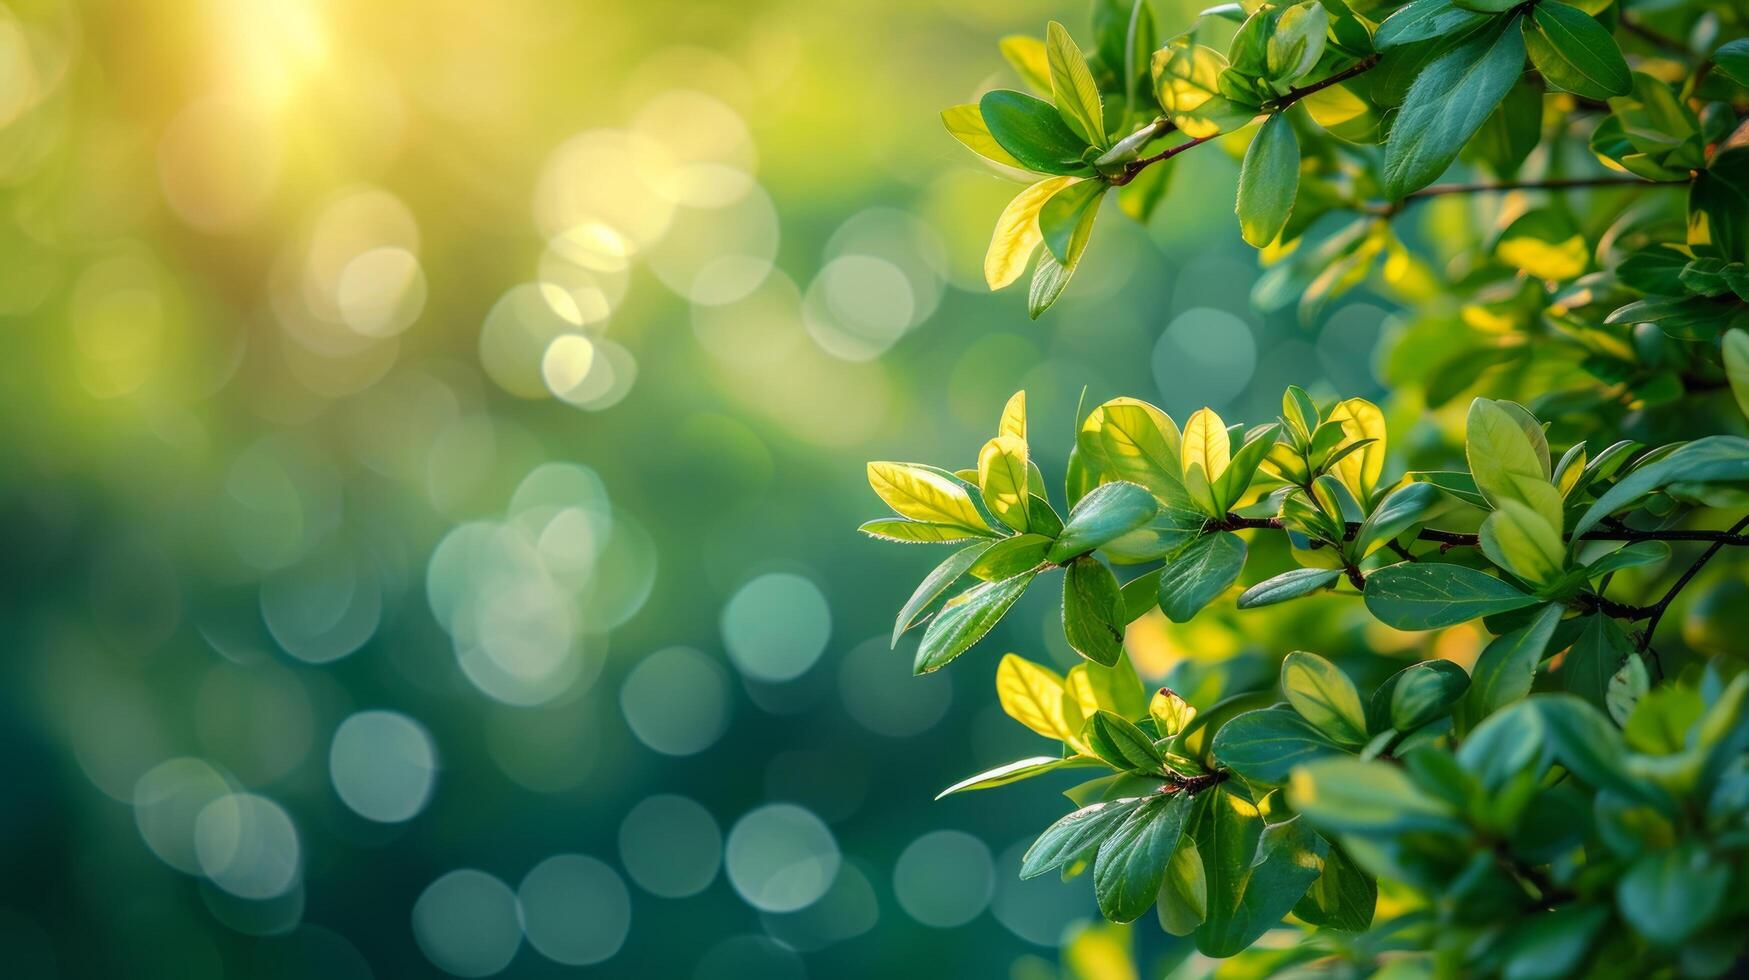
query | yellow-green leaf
(1017,232)
(1520,540)
(924,495)
(1187,84)
(1002,478)
(1359,471)
(1072,86)
(1013,421)
(1130,440)
(966,124)
(1206,452)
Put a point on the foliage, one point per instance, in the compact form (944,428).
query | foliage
(1570,803)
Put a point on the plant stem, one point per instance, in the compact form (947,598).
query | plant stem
(1633,26)
(1286,99)
(1293,95)
(1658,609)
(1135,167)
(1555,184)
(1460,539)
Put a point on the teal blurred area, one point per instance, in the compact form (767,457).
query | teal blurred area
(433,435)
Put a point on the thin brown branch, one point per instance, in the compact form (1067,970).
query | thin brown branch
(1555,184)
(1659,608)
(1132,169)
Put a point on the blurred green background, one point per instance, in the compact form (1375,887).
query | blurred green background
(433,438)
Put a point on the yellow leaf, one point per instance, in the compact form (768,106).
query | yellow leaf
(1013,421)
(1359,471)
(1206,452)
(1017,232)
(1026,55)
(1032,695)
(924,495)
(1002,478)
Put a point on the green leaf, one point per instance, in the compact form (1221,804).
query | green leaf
(1423,692)
(1403,509)
(1296,43)
(1072,86)
(1735,349)
(1288,859)
(1107,512)
(1122,744)
(1264,746)
(1713,458)
(1551,945)
(1093,612)
(1199,573)
(1669,895)
(1013,772)
(1242,467)
(1505,744)
(1342,794)
(1011,556)
(1184,894)
(1033,133)
(1459,486)
(1431,595)
(1718,204)
(1066,220)
(1732,60)
(1507,667)
(935,583)
(1226,829)
(1574,52)
(1635,555)
(1425,20)
(1343,897)
(1290,584)
(1591,748)
(1131,864)
(965,619)
(1522,541)
(1051,276)
(1507,462)
(918,532)
(1448,102)
(1075,835)
(1268,181)
(1600,651)
(1324,696)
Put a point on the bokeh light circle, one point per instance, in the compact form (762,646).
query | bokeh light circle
(776,626)
(575,909)
(383,765)
(780,858)
(467,923)
(881,693)
(676,701)
(944,878)
(1204,357)
(168,800)
(247,845)
(670,846)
